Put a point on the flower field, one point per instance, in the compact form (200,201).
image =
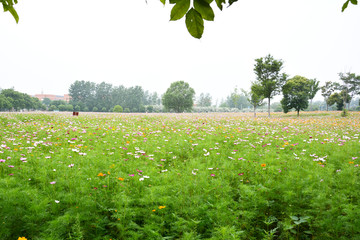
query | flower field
(179,176)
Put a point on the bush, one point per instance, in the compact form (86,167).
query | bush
(69,108)
(52,108)
(126,110)
(95,109)
(103,109)
(142,109)
(86,109)
(77,108)
(62,107)
(150,109)
(118,109)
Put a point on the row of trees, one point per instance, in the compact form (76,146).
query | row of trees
(297,91)
(14,100)
(90,96)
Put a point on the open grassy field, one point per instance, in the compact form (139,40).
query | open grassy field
(179,176)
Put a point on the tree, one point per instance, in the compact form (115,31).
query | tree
(296,93)
(268,76)
(255,96)
(351,85)
(338,98)
(46,101)
(83,94)
(179,97)
(326,92)
(314,88)
(194,17)
(204,100)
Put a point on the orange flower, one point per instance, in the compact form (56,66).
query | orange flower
(263,165)
(100,174)
(351,162)
(161,207)
(121,179)
(22,238)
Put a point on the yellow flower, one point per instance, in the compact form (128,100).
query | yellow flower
(153,210)
(100,174)
(263,165)
(161,207)
(22,238)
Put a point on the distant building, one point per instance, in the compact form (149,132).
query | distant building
(65,97)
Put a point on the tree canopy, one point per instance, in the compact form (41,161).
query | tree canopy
(179,97)
(195,11)
(296,94)
(269,77)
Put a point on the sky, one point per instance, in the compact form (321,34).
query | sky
(133,43)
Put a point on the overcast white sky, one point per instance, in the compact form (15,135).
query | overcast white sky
(133,43)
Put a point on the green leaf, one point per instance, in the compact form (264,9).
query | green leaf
(194,23)
(295,218)
(345,5)
(354,2)
(231,2)
(179,10)
(14,13)
(219,3)
(163,1)
(204,9)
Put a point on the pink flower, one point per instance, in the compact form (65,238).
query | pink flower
(213,175)
(2,160)
(52,182)
(10,166)
(240,174)
(131,175)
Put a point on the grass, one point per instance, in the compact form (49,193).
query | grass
(179,176)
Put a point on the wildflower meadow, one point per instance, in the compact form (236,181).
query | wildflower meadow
(179,176)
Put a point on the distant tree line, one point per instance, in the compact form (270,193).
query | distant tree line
(103,97)
(11,100)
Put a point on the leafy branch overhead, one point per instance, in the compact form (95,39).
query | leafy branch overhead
(8,5)
(195,12)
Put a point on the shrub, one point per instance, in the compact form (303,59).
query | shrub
(126,110)
(118,109)
(95,109)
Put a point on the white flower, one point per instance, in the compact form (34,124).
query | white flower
(164,170)
(54,170)
(141,179)
(57,201)
(146,177)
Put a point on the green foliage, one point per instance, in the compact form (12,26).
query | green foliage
(296,93)
(340,98)
(204,100)
(345,5)
(269,77)
(127,110)
(118,109)
(326,92)
(8,6)
(194,17)
(179,97)
(95,109)
(255,96)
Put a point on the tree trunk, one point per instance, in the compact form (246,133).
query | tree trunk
(254,112)
(298,113)
(269,106)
